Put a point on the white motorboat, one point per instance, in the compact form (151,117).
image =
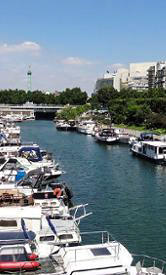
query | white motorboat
(13,118)
(86,127)
(31,152)
(106,257)
(62,125)
(14,169)
(108,136)
(66,125)
(52,229)
(37,191)
(10,132)
(30,117)
(154,151)
(103,264)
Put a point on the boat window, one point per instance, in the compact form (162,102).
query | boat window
(47,238)
(11,164)
(65,236)
(8,223)
(162,150)
(12,161)
(100,251)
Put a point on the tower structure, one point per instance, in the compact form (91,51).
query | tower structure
(29,79)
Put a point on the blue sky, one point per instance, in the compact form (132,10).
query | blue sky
(71,43)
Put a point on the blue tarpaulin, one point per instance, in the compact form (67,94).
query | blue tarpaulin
(32,153)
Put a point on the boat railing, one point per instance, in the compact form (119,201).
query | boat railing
(101,237)
(105,237)
(79,212)
(151,265)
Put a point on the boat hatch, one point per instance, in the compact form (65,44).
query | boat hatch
(8,223)
(65,237)
(101,251)
(47,238)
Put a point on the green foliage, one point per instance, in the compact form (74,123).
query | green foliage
(73,113)
(132,107)
(156,121)
(103,96)
(70,96)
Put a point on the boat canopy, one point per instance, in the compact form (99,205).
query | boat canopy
(32,153)
(16,237)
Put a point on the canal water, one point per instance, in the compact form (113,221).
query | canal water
(127,195)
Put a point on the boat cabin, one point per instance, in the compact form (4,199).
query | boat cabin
(152,149)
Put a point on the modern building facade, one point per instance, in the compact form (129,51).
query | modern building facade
(115,80)
(139,76)
(157,75)
(151,76)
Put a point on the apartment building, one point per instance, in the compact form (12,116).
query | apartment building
(157,75)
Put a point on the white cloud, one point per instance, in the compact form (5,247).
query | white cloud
(117,66)
(75,61)
(27,46)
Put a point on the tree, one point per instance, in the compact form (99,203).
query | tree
(103,96)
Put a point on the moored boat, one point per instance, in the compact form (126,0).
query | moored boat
(105,257)
(65,125)
(107,136)
(154,151)
(86,127)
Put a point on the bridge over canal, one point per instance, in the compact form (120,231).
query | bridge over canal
(40,111)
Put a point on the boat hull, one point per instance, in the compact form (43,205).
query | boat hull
(143,156)
(107,140)
(66,128)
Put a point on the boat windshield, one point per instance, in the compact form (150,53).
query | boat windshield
(13,254)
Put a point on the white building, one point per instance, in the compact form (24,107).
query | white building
(138,75)
(114,80)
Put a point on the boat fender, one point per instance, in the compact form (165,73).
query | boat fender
(14,266)
(32,256)
(57,192)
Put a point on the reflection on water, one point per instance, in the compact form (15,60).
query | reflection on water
(127,195)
